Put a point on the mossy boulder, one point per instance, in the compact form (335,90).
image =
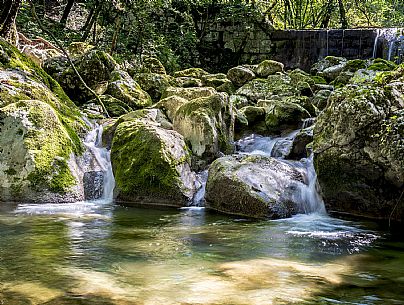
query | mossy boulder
(215,80)
(300,144)
(154,84)
(252,186)
(95,67)
(329,67)
(283,114)
(251,118)
(115,107)
(279,85)
(77,49)
(269,67)
(240,75)
(320,99)
(151,164)
(359,152)
(189,93)
(124,88)
(207,125)
(191,72)
(380,64)
(153,65)
(187,82)
(355,64)
(170,105)
(35,152)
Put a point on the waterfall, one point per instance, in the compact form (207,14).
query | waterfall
(306,193)
(199,198)
(102,161)
(375,43)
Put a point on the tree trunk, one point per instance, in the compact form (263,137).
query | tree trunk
(116,34)
(66,12)
(91,23)
(343,21)
(6,6)
(9,21)
(328,13)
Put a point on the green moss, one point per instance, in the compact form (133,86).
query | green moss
(139,162)
(318,80)
(192,72)
(67,112)
(354,65)
(382,65)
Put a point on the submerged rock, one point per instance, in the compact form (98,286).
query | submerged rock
(151,164)
(359,152)
(252,186)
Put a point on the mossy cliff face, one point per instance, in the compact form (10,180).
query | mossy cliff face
(39,135)
(251,186)
(151,164)
(359,151)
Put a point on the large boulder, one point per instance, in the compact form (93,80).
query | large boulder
(274,85)
(170,105)
(189,93)
(39,134)
(330,67)
(154,84)
(240,75)
(207,125)
(124,88)
(151,164)
(95,68)
(253,186)
(359,152)
(269,67)
(191,72)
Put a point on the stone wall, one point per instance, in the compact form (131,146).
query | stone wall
(225,44)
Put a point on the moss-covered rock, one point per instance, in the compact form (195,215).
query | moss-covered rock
(283,114)
(329,67)
(115,107)
(251,186)
(354,65)
(269,67)
(320,99)
(191,72)
(77,49)
(154,84)
(151,164)
(215,80)
(359,152)
(95,68)
(279,85)
(252,119)
(152,65)
(187,82)
(189,93)
(380,64)
(170,105)
(343,79)
(124,88)
(35,152)
(207,125)
(240,75)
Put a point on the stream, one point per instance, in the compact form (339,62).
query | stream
(97,252)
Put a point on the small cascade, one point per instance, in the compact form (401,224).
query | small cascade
(102,160)
(391,45)
(375,43)
(199,198)
(305,193)
(308,123)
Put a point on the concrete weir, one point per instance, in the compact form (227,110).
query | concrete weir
(228,44)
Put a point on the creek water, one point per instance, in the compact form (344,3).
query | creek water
(98,252)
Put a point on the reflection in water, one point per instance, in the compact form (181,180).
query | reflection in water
(105,254)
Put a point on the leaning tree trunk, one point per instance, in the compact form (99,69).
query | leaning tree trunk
(5,9)
(66,12)
(9,22)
